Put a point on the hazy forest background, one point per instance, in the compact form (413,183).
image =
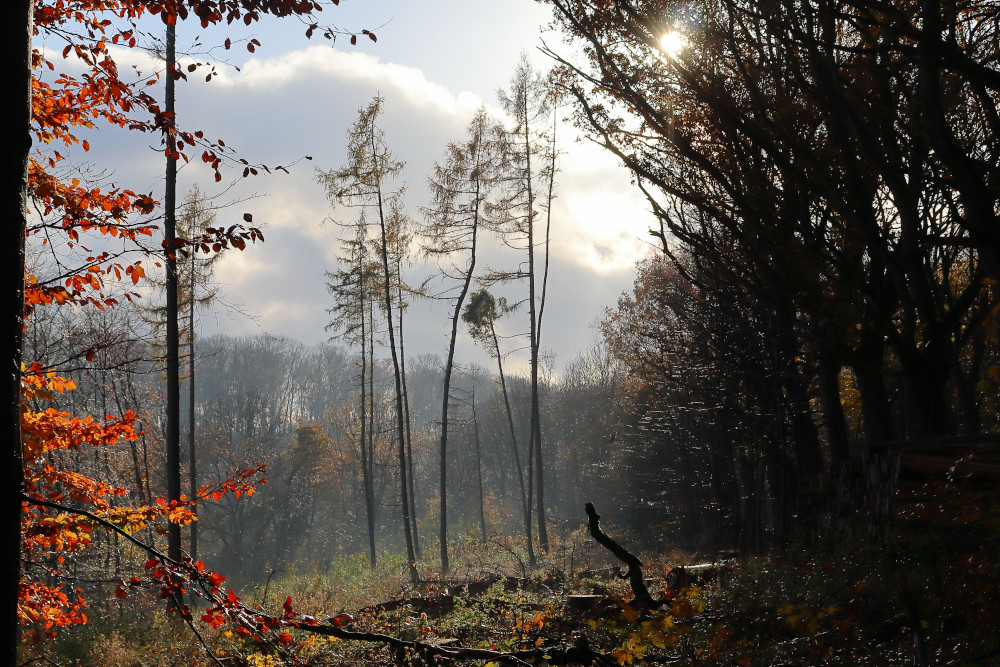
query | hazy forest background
(790,417)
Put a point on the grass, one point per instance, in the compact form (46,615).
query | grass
(817,604)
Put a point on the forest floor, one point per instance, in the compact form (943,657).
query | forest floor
(926,593)
(927,597)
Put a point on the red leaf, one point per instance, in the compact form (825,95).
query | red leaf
(354,39)
(247,217)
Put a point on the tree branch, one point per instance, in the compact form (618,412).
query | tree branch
(634,575)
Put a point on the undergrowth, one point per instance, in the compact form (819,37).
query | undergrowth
(834,603)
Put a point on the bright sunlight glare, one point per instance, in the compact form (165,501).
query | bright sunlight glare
(673,43)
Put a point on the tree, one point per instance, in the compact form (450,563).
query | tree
(399,243)
(52,114)
(459,189)
(353,287)
(481,314)
(197,218)
(16,51)
(173,415)
(363,183)
(192,275)
(528,103)
(795,147)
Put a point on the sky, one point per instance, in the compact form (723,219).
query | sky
(434,63)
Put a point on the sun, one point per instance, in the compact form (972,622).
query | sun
(673,43)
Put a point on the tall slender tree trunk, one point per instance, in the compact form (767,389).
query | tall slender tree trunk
(535,439)
(365,451)
(397,376)
(15,48)
(193,486)
(543,538)
(173,342)
(406,417)
(446,399)
(479,469)
(525,497)
(373,510)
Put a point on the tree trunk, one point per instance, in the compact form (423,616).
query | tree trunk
(191,415)
(373,508)
(535,439)
(173,342)
(406,417)
(479,469)
(404,495)
(16,50)
(525,500)
(449,364)
(365,450)
(833,410)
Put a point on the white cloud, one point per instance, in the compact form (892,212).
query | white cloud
(277,110)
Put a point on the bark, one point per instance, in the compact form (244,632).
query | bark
(16,51)
(173,462)
(193,481)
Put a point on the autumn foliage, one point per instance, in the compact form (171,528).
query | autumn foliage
(62,507)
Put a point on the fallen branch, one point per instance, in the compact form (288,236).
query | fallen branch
(634,574)
(579,653)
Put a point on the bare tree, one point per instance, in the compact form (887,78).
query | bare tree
(481,314)
(362,183)
(459,190)
(194,290)
(353,291)
(528,103)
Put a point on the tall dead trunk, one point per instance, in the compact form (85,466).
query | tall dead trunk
(397,377)
(193,481)
(479,469)
(406,413)
(366,471)
(173,446)
(525,497)
(446,399)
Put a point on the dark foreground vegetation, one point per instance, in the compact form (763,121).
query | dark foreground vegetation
(926,595)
